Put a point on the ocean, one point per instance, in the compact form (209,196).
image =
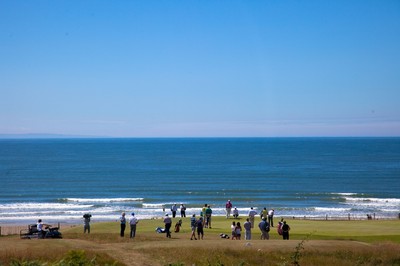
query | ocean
(58,180)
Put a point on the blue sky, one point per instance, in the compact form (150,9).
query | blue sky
(200,68)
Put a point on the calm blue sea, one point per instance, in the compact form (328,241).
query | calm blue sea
(61,179)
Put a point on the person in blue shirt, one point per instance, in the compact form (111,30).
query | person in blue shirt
(193,225)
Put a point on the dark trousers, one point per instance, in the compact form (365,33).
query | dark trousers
(168,230)
(122,229)
(285,235)
(86,227)
(42,234)
(133,230)
(271,220)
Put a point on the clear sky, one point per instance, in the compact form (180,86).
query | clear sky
(200,68)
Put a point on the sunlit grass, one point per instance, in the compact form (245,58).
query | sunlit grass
(337,242)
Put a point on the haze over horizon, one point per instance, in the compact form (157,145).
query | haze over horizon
(200,68)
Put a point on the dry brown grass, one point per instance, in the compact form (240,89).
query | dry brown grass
(149,248)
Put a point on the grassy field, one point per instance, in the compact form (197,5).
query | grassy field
(369,242)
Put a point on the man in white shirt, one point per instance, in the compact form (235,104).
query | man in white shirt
(40,227)
(271,217)
(252,214)
(133,221)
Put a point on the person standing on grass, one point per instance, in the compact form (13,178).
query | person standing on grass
(168,223)
(264,213)
(247,228)
(252,214)
(285,231)
(203,213)
(193,225)
(133,222)
(228,208)
(264,228)
(174,208)
(279,229)
(238,231)
(183,210)
(86,223)
(233,227)
(200,231)
(271,217)
(122,221)
(208,217)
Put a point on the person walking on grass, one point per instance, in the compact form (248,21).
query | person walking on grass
(193,225)
(133,222)
(168,223)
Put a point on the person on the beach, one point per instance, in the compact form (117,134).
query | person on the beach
(233,227)
(238,231)
(200,231)
(271,217)
(174,208)
(247,228)
(285,231)
(235,213)
(193,225)
(122,221)
(133,221)
(183,210)
(228,208)
(168,223)
(86,222)
(208,217)
(264,228)
(252,214)
(41,229)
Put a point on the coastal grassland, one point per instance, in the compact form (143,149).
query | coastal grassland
(369,242)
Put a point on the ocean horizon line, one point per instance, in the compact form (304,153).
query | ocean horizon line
(99,137)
